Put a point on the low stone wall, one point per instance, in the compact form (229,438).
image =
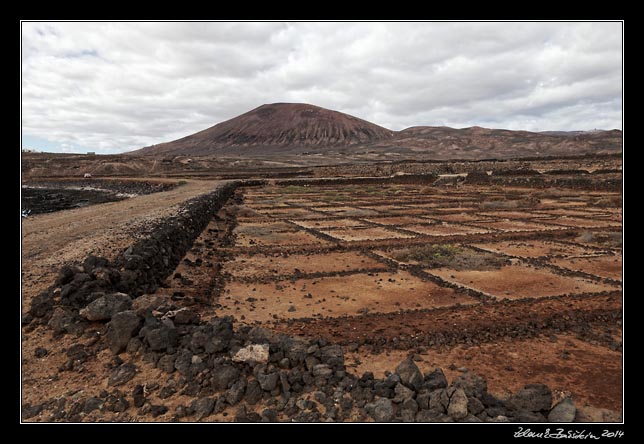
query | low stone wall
(580,182)
(293,379)
(140,269)
(427,179)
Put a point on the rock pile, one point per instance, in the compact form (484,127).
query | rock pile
(400,178)
(286,378)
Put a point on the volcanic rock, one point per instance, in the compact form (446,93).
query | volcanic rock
(410,374)
(120,329)
(564,411)
(381,410)
(106,306)
(533,397)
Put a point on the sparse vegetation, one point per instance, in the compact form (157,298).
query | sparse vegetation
(450,255)
(394,192)
(294,189)
(552,193)
(528,202)
(437,255)
(372,190)
(333,196)
(608,239)
(609,202)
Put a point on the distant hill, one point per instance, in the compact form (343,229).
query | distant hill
(485,143)
(571,133)
(282,129)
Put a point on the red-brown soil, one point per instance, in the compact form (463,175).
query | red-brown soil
(254,234)
(535,248)
(584,223)
(303,263)
(444,229)
(498,322)
(381,292)
(591,373)
(518,282)
(533,297)
(330,223)
(259,266)
(604,266)
(371,233)
(515,225)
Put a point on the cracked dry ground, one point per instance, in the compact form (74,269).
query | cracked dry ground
(516,284)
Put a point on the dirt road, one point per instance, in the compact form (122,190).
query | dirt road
(50,240)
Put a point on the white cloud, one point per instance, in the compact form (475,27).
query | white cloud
(112,87)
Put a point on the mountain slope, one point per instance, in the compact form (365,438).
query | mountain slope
(278,125)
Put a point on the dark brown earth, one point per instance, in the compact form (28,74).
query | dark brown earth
(516,319)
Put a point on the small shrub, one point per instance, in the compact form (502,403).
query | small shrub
(609,202)
(527,202)
(430,255)
(294,189)
(451,256)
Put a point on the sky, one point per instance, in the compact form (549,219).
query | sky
(115,87)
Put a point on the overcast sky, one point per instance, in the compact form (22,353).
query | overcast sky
(114,87)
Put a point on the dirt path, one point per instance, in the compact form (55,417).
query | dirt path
(50,240)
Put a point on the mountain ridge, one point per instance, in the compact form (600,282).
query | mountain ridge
(299,128)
